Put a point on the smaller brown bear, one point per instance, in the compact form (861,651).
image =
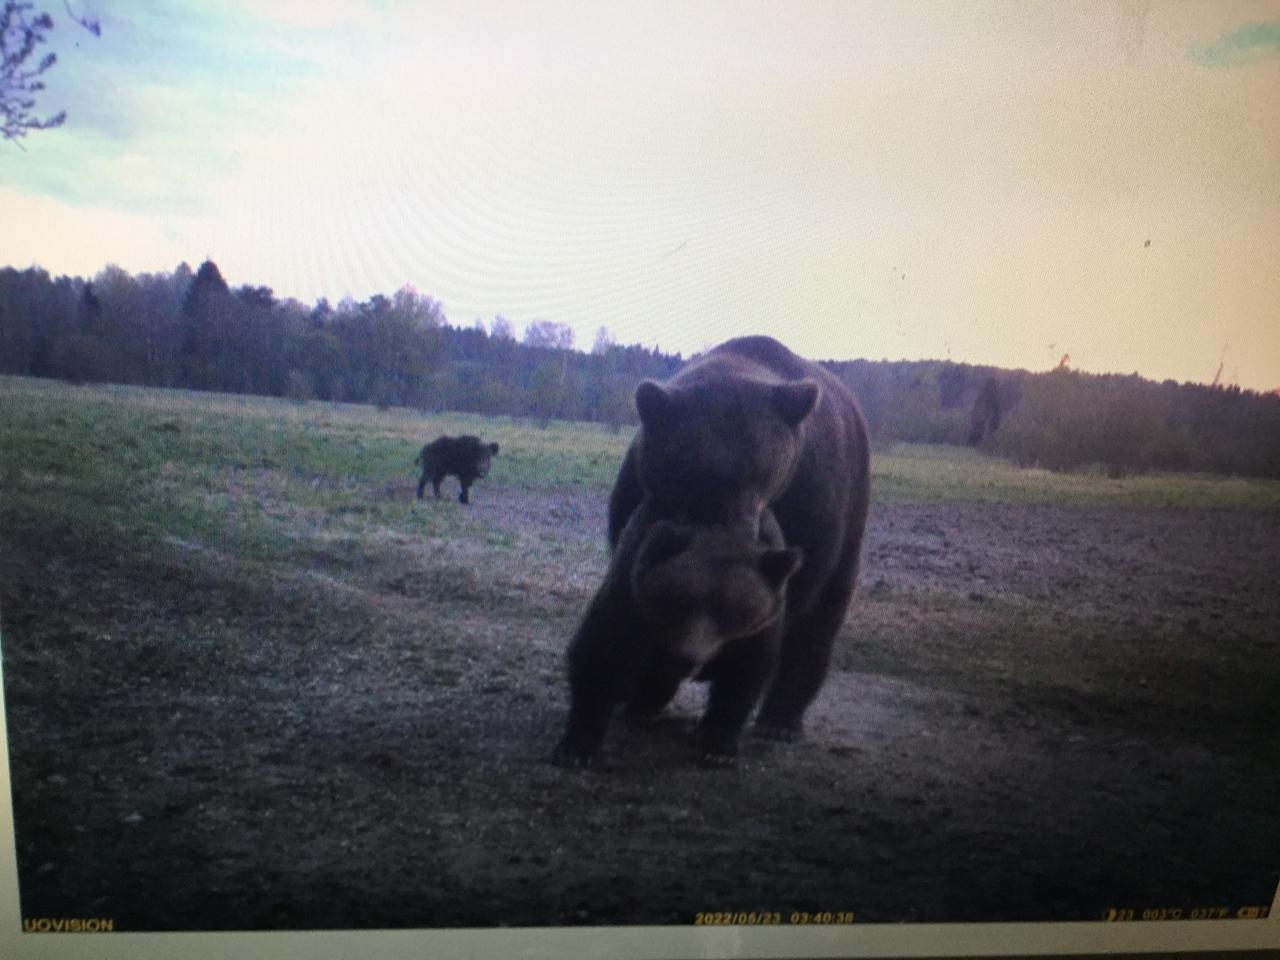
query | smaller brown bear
(679,602)
(466,457)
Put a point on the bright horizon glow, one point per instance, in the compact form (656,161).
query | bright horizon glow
(999,185)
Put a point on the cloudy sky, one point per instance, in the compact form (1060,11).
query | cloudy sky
(995,183)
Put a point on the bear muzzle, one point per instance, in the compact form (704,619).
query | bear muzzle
(696,641)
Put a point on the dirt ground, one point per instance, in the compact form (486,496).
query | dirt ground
(1035,712)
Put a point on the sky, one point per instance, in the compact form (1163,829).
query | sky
(998,183)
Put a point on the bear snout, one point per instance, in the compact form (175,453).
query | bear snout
(696,641)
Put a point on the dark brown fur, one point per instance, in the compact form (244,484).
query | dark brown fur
(466,457)
(678,602)
(750,425)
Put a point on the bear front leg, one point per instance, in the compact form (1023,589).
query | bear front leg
(589,716)
(422,485)
(602,659)
(805,657)
(738,678)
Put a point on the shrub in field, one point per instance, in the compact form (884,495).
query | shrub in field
(83,359)
(298,387)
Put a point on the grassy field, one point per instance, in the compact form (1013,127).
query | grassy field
(259,474)
(263,474)
(233,639)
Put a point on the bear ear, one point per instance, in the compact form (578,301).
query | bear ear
(663,541)
(770,532)
(493,448)
(777,566)
(795,401)
(653,403)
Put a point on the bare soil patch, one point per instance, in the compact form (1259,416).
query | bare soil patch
(1035,712)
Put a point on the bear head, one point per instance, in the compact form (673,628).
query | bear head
(701,587)
(719,450)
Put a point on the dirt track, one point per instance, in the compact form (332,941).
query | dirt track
(1036,712)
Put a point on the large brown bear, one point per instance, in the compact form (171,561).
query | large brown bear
(466,457)
(678,602)
(749,425)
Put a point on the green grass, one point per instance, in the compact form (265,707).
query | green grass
(921,473)
(270,477)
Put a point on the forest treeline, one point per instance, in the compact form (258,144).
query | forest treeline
(190,329)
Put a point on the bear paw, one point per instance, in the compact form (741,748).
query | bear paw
(780,732)
(573,755)
(713,760)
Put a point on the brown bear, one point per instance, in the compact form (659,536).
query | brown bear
(466,457)
(677,603)
(749,425)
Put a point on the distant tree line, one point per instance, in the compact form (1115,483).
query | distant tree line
(190,329)
(1064,419)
